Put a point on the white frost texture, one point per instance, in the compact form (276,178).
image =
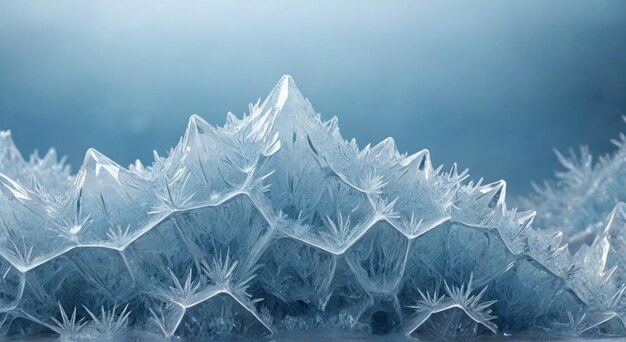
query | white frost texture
(274,224)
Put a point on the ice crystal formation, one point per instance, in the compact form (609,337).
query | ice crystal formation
(274,224)
(583,194)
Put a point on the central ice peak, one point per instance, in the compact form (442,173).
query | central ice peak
(285,94)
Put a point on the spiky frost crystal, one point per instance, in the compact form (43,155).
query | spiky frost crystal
(275,224)
(583,194)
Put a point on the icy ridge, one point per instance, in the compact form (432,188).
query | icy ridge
(275,223)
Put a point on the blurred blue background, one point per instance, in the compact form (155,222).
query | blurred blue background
(493,85)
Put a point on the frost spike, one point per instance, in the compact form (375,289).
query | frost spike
(495,192)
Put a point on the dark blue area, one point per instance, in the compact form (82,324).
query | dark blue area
(493,86)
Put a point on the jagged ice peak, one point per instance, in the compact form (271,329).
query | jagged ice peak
(275,224)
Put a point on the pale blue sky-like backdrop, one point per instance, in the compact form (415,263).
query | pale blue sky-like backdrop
(493,85)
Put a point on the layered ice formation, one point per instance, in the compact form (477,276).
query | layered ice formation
(274,224)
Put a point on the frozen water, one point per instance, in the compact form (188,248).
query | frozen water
(274,224)
(583,194)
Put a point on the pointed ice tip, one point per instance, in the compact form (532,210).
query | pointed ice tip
(5,138)
(422,158)
(96,162)
(196,123)
(195,127)
(197,120)
(95,156)
(91,153)
(526,218)
(618,214)
(285,90)
(286,87)
(388,145)
(137,166)
(286,78)
(495,190)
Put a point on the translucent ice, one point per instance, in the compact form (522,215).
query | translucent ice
(583,194)
(274,223)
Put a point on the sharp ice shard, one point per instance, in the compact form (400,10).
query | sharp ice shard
(274,224)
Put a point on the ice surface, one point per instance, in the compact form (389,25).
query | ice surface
(274,224)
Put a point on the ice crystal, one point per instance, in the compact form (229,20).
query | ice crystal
(583,194)
(274,223)
(110,323)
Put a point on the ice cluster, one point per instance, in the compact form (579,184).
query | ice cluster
(583,195)
(274,224)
